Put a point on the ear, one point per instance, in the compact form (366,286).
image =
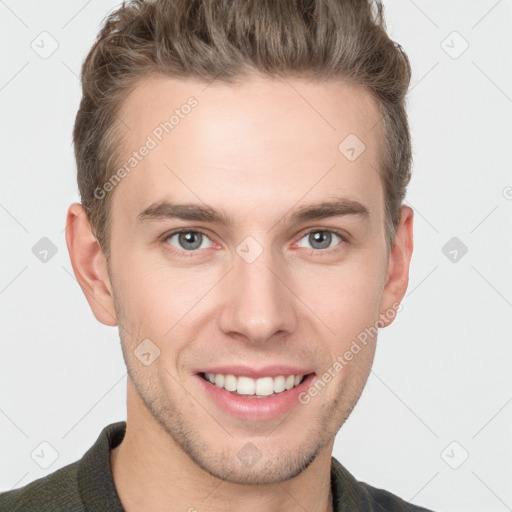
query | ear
(89,265)
(398,267)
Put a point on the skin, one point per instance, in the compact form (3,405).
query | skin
(256,151)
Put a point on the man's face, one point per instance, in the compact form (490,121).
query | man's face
(266,294)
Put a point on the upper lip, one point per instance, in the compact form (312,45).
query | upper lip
(255,373)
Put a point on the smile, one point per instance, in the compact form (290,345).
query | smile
(262,387)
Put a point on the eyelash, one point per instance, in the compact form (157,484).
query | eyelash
(174,251)
(319,252)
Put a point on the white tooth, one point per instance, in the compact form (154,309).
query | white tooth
(245,386)
(298,378)
(219,380)
(265,386)
(230,382)
(289,382)
(211,377)
(279,384)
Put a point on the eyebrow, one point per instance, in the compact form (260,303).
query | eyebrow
(192,211)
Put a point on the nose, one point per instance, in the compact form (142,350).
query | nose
(258,304)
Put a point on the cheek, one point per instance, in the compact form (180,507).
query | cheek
(149,298)
(346,298)
(160,302)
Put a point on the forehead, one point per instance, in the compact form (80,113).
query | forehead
(261,143)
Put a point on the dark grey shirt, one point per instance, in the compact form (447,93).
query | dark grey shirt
(87,485)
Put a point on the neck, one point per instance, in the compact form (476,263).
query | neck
(152,473)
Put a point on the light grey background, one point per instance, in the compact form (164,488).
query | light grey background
(442,370)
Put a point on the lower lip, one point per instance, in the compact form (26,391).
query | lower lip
(248,408)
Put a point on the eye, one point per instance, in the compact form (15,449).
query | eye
(188,240)
(320,239)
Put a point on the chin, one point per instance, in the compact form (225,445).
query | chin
(270,468)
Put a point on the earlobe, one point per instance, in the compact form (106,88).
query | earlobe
(398,267)
(89,265)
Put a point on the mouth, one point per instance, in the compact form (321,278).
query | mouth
(263,395)
(262,387)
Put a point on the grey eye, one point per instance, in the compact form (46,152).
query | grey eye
(321,239)
(189,240)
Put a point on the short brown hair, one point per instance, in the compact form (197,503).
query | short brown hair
(224,40)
